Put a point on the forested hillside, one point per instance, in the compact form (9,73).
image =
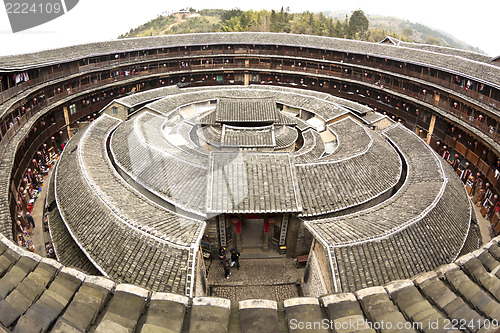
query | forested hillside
(355,25)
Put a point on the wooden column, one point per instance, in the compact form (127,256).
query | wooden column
(66,120)
(291,238)
(247,79)
(431,129)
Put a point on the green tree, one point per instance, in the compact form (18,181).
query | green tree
(432,40)
(358,25)
(408,32)
(229,14)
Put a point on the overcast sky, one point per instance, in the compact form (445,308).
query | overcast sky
(475,22)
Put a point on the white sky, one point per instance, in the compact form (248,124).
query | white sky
(475,22)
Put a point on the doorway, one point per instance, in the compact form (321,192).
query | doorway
(252,234)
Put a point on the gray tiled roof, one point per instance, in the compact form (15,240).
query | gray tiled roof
(449,51)
(122,252)
(233,136)
(416,249)
(423,169)
(149,159)
(432,58)
(246,110)
(149,139)
(210,134)
(372,117)
(67,251)
(324,105)
(332,184)
(352,138)
(41,294)
(149,95)
(153,131)
(126,202)
(312,149)
(284,119)
(244,182)
(285,136)
(405,235)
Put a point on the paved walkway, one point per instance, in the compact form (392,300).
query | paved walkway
(274,279)
(484,225)
(38,235)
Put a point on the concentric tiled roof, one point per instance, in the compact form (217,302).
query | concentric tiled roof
(403,235)
(105,218)
(374,229)
(340,181)
(361,202)
(145,155)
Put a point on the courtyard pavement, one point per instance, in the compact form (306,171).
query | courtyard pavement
(38,235)
(271,278)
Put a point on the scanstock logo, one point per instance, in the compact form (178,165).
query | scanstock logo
(26,14)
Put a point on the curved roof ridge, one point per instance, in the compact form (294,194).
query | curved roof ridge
(401,226)
(120,216)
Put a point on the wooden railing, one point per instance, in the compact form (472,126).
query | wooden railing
(272,51)
(473,158)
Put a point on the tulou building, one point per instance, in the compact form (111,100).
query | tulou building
(357,158)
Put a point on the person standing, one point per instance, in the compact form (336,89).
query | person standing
(222,254)
(227,269)
(235,259)
(30,219)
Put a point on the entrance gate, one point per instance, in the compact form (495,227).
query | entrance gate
(252,234)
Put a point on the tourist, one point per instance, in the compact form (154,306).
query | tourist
(227,269)
(235,259)
(222,254)
(30,219)
(480,196)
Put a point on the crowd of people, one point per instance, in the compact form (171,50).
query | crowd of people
(31,186)
(482,193)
